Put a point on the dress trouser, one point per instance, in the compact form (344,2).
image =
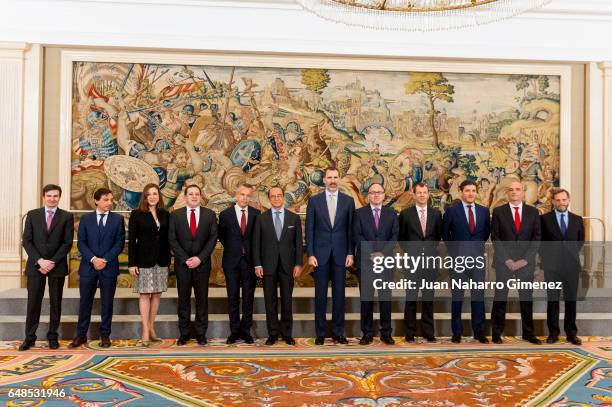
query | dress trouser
(240,277)
(272,279)
(186,280)
(329,271)
(36,291)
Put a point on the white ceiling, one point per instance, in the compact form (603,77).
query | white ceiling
(565,30)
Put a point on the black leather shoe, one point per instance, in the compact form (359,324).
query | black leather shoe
(202,341)
(340,339)
(105,342)
(53,344)
(574,340)
(456,339)
(182,340)
(248,339)
(271,340)
(77,341)
(320,340)
(387,340)
(366,340)
(430,339)
(289,340)
(409,338)
(232,339)
(532,339)
(481,338)
(552,339)
(497,339)
(25,345)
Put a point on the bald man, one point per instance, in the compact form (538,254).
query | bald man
(515,232)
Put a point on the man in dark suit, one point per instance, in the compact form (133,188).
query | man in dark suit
(515,232)
(277,254)
(329,218)
(100,240)
(47,239)
(562,240)
(465,228)
(192,235)
(420,232)
(235,230)
(375,233)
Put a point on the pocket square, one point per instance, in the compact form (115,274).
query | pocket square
(290,227)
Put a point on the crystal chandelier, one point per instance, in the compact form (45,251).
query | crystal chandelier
(418,15)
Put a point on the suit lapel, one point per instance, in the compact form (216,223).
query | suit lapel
(102,232)
(235,220)
(429,221)
(557,228)
(285,225)
(324,206)
(510,217)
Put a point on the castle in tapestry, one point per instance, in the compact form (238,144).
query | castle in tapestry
(218,126)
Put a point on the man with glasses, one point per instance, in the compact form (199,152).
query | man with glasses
(375,233)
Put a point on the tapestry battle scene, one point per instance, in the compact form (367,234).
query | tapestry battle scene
(218,126)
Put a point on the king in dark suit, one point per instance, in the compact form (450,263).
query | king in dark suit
(329,217)
(562,240)
(192,234)
(375,233)
(47,239)
(515,232)
(236,225)
(101,237)
(420,233)
(277,253)
(465,228)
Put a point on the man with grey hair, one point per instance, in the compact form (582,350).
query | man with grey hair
(235,230)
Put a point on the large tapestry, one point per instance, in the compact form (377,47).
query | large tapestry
(217,126)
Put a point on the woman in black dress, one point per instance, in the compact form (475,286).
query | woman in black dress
(149,257)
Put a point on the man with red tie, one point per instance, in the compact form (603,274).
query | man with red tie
(235,229)
(192,235)
(515,232)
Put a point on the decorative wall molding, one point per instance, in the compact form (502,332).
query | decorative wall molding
(12,65)
(565,30)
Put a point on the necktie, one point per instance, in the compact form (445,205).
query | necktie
(49,219)
(423,221)
(471,222)
(331,208)
(562,224)
(101,221)
(278,225)
(243,223)
(192,223)
(517,220)
(376,217)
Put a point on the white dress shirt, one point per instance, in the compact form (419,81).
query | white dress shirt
(238,210)
(197,215)
(520,206)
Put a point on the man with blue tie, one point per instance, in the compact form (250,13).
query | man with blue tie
(562,240)
(465,228)
(375,233)
(329,217)
(101,237)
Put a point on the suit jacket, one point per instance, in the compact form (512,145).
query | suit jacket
(54,244)
(367,239)
(185,246)
(507,243)
(561,253)
(455,228)
(231,237)
(411,232)
(105,243)
(267,249)
(148,245)
(321,238)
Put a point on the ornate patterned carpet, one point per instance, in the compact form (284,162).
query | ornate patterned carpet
(442,374)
